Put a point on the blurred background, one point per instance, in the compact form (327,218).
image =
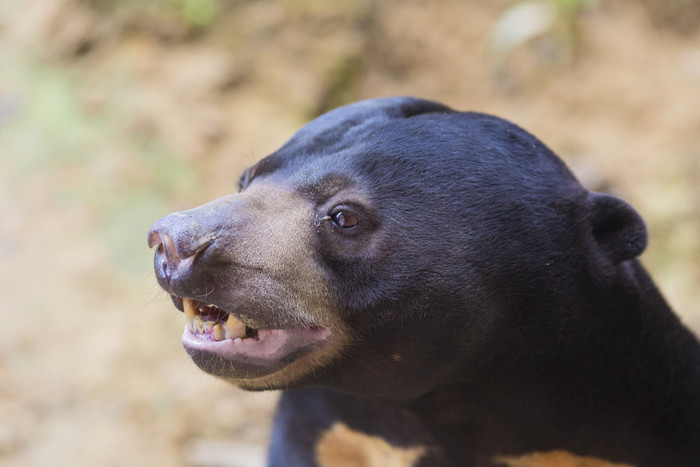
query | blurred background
(116,112)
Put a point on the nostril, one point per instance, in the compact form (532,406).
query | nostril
(153,239)
(179,241)
(168,246)
(175,254)
(165,245)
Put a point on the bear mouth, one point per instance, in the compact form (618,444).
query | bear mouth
(223,345)
(209,322)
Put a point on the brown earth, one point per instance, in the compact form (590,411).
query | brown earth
(115,113)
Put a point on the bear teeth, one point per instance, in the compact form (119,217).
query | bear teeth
(233,328)
(190,310)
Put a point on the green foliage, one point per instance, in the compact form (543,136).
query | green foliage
(196,13)
(568,7)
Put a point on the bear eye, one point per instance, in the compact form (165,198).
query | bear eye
(246,178)
(343,219)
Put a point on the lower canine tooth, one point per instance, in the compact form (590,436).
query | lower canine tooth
(234,328)
(219,332)
(198,324)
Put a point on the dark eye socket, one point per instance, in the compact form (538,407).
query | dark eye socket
(343,218)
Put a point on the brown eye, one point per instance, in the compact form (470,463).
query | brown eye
(344,219)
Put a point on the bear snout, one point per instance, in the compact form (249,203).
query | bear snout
(179,240)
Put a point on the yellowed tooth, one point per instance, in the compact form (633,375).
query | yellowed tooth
(188,305)
(219,332)
(198,324)
(234,327)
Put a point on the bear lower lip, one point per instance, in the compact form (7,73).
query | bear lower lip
(246,358)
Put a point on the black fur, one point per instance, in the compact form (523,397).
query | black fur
(496,306)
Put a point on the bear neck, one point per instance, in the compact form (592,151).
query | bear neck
(616,375)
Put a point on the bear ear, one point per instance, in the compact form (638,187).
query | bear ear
(618,229)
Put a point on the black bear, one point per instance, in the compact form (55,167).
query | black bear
(434,288)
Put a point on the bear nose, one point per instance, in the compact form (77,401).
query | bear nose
(178,243)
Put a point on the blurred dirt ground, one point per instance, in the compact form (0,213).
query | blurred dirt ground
(115,113)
